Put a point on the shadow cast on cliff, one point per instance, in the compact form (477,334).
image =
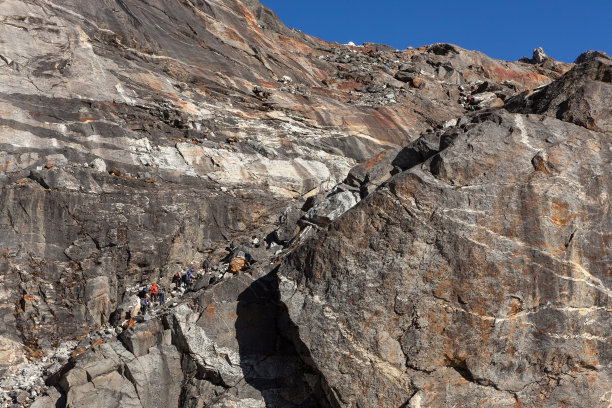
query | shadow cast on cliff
(269,357)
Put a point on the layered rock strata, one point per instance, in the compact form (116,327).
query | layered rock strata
(138,138)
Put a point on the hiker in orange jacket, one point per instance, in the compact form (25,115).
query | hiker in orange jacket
(154,292)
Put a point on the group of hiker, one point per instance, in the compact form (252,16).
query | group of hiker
(154,293)
(151,294)
(183,280)
(238,260)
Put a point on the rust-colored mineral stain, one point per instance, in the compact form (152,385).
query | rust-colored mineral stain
(444,288)
(77,352)
(561,215)
(210,311)
(249,17)
(233,35)
(540,165)
(348,86)
(374,160)
(515,307)
(290,43)
(526,79)
(96,343)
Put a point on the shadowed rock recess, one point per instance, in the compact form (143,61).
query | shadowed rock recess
(419,228)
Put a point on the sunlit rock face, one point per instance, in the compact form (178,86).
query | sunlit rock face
(138,138)
(478,276)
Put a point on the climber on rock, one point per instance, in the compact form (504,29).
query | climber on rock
(154,292)
(144,304)
(176,279)
(187,278)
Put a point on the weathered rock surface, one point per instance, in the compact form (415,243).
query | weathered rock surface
(228,345)
(479,276)
(582,96)
(131,140)
(139,138)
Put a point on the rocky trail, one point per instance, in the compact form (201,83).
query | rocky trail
(426,227)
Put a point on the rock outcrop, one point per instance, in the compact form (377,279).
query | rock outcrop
(478,276)
(579,97)
(228,345)
(141,138)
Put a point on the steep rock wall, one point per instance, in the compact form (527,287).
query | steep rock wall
(480,276)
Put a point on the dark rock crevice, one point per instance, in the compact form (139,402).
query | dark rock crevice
(279,340)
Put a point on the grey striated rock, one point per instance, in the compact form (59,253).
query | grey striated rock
(110,375)
(157,376)
(289,225)
(225,345)
(479,267)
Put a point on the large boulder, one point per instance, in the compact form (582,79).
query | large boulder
(482,268)
(288,225)
(332,208)
(110,375)
(580,97)
(140,338)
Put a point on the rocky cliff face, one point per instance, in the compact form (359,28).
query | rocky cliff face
(138,138)
(478,276)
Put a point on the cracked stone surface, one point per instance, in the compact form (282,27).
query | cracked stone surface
(481,271)
(138,138)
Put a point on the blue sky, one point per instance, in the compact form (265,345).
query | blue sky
(501,29)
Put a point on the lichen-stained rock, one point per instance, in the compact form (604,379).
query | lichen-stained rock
(98,299)
(484,267)
(139,339)
(108,390)
(157,376)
